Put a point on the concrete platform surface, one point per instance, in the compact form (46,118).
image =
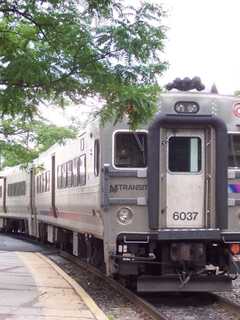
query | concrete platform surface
(9,243)
(32,287)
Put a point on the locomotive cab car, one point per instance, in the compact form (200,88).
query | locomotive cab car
(150,206)
(168,197)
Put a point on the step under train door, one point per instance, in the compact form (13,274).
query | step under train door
(185,178)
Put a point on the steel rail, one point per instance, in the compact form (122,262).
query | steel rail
(227,304)
(143,306)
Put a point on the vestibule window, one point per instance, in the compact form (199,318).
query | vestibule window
(130,150)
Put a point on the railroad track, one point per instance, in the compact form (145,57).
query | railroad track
(145,308)
(150,309)
(195,306)
(233,307)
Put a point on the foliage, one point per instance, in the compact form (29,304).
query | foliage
(21,142)
(58,50)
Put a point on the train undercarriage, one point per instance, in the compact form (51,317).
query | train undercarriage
(179,264)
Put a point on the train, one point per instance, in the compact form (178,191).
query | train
(157,207)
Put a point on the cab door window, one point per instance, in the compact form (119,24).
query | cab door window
(184,154)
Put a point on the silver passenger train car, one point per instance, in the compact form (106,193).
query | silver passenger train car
(158,207)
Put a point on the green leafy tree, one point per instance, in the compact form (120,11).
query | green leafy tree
(21,142)
(60,51)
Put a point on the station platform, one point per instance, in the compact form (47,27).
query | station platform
(32,287)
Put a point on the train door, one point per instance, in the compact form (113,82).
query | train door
(185,178)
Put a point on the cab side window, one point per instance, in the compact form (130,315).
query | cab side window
(130,150)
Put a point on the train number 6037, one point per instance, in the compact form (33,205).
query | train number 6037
(190,216)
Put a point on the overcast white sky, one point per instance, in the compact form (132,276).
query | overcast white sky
(204,40)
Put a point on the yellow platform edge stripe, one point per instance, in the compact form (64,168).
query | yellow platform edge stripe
(90,303)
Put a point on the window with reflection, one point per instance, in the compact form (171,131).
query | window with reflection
(184,154)
(130,150)
(82,170)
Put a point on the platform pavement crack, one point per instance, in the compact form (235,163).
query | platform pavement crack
(33,301)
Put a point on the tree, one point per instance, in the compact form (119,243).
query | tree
(21,142)
(60,51)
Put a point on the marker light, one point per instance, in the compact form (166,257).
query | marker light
(235,248)
(124,215)
(186,107)
(236,110)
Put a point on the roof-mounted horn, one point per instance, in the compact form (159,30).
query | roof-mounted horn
(186,84)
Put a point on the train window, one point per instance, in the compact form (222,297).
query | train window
(82,170)
(75,172)
(96,157)
(16,189)
(47,181)
(23,188)
(37,183)
(130,150)
(59,177)
(0,191)
(184,154)
(64,175)
(9,190)
(234,150)
(69,173)
(43,182)
(40,183)
(82,144)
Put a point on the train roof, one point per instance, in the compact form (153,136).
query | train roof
(226,107)
(199,96)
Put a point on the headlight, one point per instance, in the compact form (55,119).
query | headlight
(186,107)
(124,215)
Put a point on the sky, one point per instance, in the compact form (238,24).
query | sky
(204,40)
